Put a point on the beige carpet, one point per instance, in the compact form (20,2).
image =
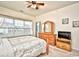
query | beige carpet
(56,52)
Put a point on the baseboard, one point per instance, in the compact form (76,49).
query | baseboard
(75,49)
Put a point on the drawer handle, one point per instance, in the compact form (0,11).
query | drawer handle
(62,46)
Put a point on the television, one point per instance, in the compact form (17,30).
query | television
(64,34)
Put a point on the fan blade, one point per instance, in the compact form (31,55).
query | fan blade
(36,6)
(33,2)
(28,6)
(29,1)
(40,4)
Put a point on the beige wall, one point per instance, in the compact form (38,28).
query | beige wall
(71,12)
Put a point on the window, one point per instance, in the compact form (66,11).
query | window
(28,27)
(19,30)
(1,20)
(3,32)
(8,22)
(28,24)
(19,23)
(14,27)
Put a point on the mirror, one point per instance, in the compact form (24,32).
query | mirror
(42,27)
(49,26)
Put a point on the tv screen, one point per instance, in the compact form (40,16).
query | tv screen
(64,34)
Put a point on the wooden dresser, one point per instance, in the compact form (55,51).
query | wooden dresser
(63,44)
(48,36)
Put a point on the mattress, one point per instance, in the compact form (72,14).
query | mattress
(26,46)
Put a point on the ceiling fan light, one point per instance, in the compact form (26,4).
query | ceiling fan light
(33,6)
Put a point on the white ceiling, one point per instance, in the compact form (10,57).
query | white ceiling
(21,6)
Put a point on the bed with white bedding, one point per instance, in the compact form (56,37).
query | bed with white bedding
(25,46)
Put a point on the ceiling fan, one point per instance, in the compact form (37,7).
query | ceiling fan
(34,4)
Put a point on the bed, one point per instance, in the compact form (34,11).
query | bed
(25,46)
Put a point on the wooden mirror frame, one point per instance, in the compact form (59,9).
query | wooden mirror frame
(52,26)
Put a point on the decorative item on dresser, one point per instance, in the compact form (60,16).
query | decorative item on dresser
(64,40)
(48,34)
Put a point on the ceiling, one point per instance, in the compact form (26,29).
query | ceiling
(21,6)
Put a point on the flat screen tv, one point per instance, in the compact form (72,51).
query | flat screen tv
(64,34)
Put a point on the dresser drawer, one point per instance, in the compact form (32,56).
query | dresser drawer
(48,37)
(51,38)
(52,42)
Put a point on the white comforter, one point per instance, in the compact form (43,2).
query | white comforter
(22,46)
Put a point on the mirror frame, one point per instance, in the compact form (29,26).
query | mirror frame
(52,26)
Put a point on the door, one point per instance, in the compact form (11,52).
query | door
(38,28)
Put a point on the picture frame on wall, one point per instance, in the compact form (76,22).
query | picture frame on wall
(75,23)
(65,20)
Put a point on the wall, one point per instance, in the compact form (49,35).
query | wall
(71,12)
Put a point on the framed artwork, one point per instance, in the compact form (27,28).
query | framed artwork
(75,23)
(65,20)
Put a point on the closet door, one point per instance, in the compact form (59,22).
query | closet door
(38,28)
